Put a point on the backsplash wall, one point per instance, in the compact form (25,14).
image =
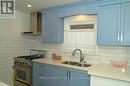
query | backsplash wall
(93,53)
(86,41)
(12,44)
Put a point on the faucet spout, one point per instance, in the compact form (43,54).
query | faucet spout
(81,54)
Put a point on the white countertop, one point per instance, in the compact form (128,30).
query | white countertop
(102,69)
(109,71)
(58,63)
(3,84)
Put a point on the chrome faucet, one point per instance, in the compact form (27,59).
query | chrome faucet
(81,54)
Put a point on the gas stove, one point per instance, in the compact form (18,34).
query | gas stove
(23,67)
(31,57)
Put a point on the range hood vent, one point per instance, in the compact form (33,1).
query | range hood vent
(36,22)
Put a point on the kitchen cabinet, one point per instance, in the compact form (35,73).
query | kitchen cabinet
(108,25)
(52,27)
(79,78)
(41,75)
(70,77)
(48,75)
(102,81)
(125,24)
(113,27)
(59,76)
(77,10)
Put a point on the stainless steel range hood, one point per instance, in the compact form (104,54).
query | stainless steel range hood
(36,21)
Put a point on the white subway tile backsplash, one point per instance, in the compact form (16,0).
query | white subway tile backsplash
(12,44)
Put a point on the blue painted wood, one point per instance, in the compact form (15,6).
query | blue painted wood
(41,75)
(59,76)
(48,75)
(79,78)
(86,3)
(126,23)
(53,28)
(77,11)
(109,20)
(108,25)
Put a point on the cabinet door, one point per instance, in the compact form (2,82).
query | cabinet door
(108,25)
(59,76)
(79,78)
(53,28)
(34,74)
(126,23)
(41,75)
(44,79)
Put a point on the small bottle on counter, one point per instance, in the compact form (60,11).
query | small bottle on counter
(53,55)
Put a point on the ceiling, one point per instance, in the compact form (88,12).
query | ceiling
(39,4)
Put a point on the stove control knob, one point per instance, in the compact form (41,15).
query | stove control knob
(26,64)
(20,63)
(23,63)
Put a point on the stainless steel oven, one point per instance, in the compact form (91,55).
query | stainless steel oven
(17,83)
(22,69)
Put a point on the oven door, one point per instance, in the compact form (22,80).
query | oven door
(17,83)
(23,74)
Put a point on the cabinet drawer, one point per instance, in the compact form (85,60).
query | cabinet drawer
(44,67)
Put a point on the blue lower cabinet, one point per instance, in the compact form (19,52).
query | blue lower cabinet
(59,76)
(48,75)
(79,78)
(41,75)
(44,79)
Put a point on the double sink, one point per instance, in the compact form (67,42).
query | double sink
(81,63)
(76,63)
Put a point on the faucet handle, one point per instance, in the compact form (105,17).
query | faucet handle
(84,61)
(83,57)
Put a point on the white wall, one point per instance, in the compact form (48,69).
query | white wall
(80,37)
(11,43)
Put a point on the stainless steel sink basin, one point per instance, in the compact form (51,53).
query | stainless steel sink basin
(70,63)
(84,65)
(76,63)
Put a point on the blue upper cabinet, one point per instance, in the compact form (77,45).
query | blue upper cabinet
(108,23)
(113,25)
(53,27)
(125,31)
(77,10)
(113,21)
